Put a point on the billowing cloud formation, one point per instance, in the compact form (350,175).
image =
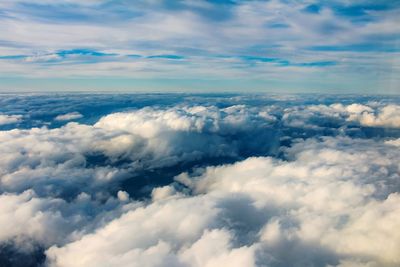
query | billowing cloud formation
(205,182)
(388,116)
(26,217)
(328,205)
(65,161)
(372,115)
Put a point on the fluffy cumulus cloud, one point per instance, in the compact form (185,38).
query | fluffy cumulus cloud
(327,206)
(27,217)
(370,115)
(232,181)
(65,160)
(388,116)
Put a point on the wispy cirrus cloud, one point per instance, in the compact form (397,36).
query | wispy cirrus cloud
(336,34)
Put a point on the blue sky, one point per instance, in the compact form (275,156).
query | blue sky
(335,46)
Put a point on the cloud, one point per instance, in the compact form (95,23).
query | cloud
(69,116)
(328,197)
(9,119)
(371,115)
(59,161)
(74,157)
(28,219)
(206,180)
(188,38)
(318,208)
(158,236)
(388,116)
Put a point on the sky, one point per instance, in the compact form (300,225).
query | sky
(337,46)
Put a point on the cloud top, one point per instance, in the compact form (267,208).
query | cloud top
(208,180)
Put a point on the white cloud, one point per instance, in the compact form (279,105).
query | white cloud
(388,116)
(160,228)
(47,221)
(326,201)
(372,115)
(8,119)
(68,116)
(335,197)
(331,205)
(164,192)
(199,33)
(60,160)
(214,249)
(123,196)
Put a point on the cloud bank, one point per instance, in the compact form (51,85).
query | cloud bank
(202,181)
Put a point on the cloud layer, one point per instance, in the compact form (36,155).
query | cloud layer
(314,210)
(192,180)
(274,45)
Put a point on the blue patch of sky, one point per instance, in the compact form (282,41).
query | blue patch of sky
(356,12)
(316,64)
(214,10)
(278,25)
(259,59)
(13,57)
(70,12)
(287,63)
(134,56)
(363,48)
(63,54)
(83,52)
(47,12)
(363,9)
(167,56)
(313,8)
(89,56)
